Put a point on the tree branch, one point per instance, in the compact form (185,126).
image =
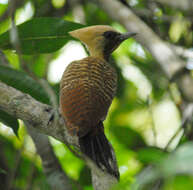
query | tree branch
(145,12)
(181,51)
(168,60)
(185,5)
(161,51)
(40,117)
(52,168)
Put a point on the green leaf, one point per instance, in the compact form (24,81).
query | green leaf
(2,171)
(180,161)
(85,177)
(177,163)
(39,65)
(151,155)
(10,121)
(23,82)
(153,73)
(41,35)
(179,183)
(129,137)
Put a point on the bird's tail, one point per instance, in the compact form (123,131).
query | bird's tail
(97,148)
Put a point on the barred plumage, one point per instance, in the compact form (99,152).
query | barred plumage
(87,89)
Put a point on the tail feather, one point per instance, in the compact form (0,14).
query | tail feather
(105,155)
(97,148)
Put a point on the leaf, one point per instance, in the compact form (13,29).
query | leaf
(153,73)
(179,183)
(10,121)
(39,65)
(2,171)
(178,28)
(180,161)
(85,176)
(23,82)
(129,137)
(41,35)
(151,155)
(177,163)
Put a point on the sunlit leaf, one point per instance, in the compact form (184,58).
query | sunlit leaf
(41,35)
(23,82)
(178,28)
(179,183)
(3,8)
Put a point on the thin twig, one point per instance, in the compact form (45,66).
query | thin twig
(173,137)
(150,109)
(186,117)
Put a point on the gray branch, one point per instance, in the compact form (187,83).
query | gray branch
(39,116)
(161,51)
(151,14)
(185,5)
(181,51)
(168,60)
(56,178)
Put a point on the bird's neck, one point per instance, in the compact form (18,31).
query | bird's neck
(98,53)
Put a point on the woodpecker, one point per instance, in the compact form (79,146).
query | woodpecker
(87,89)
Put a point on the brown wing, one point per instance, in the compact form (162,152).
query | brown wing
(87,89)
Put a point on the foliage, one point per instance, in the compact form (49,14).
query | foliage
(52,36)
(9,121)
(23,82)
(143,116)
(14,159)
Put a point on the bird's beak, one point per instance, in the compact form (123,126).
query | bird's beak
(127,35)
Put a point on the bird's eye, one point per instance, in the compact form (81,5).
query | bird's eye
(109,34)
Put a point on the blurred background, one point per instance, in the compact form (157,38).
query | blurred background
(150,118)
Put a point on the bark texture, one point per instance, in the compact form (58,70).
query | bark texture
(40,117)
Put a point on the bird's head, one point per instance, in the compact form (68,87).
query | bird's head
(101,40)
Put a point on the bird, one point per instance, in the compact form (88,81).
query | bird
(87,89)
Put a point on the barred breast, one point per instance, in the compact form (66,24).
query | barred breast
(87,89)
